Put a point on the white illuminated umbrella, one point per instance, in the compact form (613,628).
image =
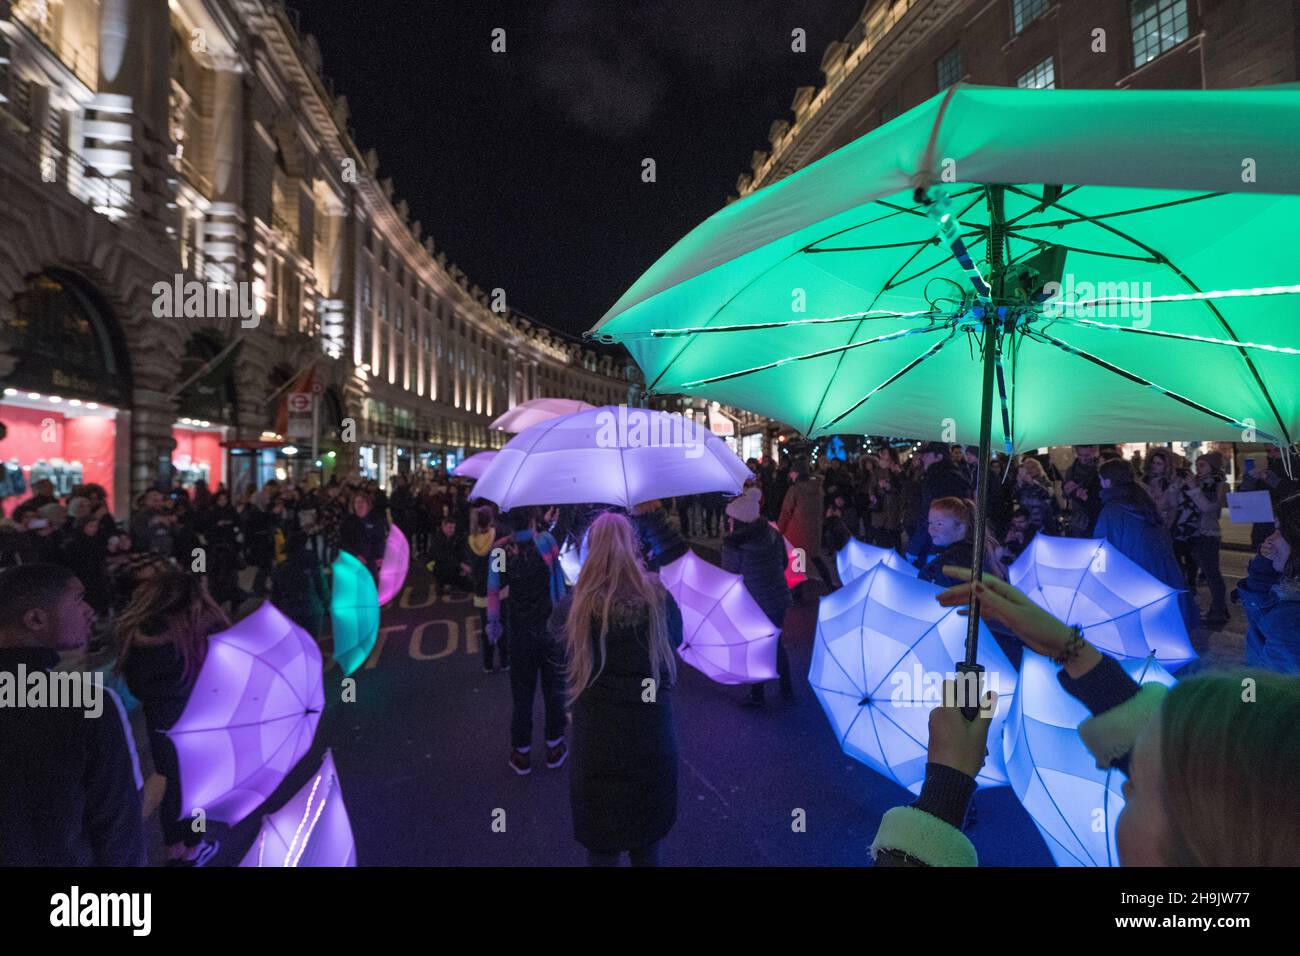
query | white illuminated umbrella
(857,558)
(535,411)
(1124,611)
(613,455)
(1072,802)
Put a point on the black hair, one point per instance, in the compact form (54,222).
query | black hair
(28,586)
(520,519)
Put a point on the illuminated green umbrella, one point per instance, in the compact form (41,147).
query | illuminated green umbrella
(354,611)
(853,296)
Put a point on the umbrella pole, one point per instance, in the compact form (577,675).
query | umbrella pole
(968,671)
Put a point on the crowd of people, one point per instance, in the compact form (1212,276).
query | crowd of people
(149,590)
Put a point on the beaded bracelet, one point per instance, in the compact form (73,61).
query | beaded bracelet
(1073,646)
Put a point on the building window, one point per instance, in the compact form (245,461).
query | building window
(367,285)
(383,303)
(1041,77)
(1158,25)
(948,68)
(1025,12)
(399,318)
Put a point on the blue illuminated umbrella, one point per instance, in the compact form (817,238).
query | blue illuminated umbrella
(1124,611)
(857,558)
(882,650)
(1072,802)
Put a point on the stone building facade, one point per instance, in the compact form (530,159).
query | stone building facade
(153,153)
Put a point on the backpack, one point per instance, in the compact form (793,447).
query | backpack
(529,578)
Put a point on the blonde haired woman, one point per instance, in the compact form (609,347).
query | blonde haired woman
(620,627)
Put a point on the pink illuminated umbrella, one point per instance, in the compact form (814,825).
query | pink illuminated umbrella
(312,829)
(397,560)
(725,635)
(857,558)
(793,575)
(536,410)
(613,455)
(251,716)
(474,465)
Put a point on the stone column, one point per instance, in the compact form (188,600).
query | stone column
(223,226)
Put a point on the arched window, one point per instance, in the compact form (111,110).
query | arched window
(67,341)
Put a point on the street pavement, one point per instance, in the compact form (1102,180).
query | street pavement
(422,752)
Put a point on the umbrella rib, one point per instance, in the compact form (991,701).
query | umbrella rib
(1079,217)
(843,670)
(929,353)
(890,336)
(1083,574)
(515,477)
(1144,382)
(932,241)
(784,324)
(1095,220)
(1181,336)
(1051,798)
(1042,205)
(840,361)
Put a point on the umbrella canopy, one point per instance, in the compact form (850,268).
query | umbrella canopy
(354,611)
(312,829)
(474,465)
(882,650)
(857,558)
(536,410)
(613,455)
(1073,804)
(251,716)
(397,561)
(795,571)
(1123,610)
(844,298)
(725,635)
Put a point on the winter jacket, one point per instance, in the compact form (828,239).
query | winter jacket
(928,833)
(756,552)
(661,542)
(477,550)
(531,601)
(1138,532)
(1199,508)
(1037,503)
(1083,511)
(68,793)
(802,514)
(364,538)
(1272,605)
(623,768)
(298,590)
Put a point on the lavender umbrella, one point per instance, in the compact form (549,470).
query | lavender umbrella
(1123,610)
(613,455)
(354,611)
(312,829)
(474,465)
(251,716)
(397,560)
(883,648)
(725,635)
(857,558)
(535,411)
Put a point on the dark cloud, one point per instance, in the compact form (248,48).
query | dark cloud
(608,64)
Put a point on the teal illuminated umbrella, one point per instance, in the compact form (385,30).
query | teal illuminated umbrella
(1132,252)
(354,612)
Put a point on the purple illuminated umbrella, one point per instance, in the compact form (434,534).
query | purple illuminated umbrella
(883,648)
(612,455)
(354,612)
(312,829)
(474,465)
(251,716)
(725,635)
(397,560)
(857,558)
(535,411)
(1124,611)
(1072,802)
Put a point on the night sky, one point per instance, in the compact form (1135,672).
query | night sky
(526,166)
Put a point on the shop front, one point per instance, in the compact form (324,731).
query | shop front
(65,401)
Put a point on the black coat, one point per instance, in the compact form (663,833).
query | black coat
(623,776)
(661,543)
(67,783)
(364,538)
(756,552)
(298,590)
